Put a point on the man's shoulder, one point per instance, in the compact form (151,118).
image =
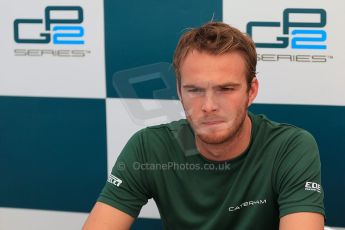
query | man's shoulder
(263,123)
(164,131)
(275,132)
(160,142)
(174,125)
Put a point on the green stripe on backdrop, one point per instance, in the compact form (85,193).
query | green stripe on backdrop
(142,33)
(53,153)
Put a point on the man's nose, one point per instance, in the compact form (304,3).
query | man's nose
(210,103)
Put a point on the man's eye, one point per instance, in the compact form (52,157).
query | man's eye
(226,89)
(194,90)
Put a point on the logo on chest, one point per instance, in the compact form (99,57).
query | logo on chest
(247,204)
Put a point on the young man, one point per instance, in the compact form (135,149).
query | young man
(223,167)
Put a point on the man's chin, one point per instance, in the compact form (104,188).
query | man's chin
(213,138)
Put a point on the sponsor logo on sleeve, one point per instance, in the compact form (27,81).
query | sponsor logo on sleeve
(114,180)
(312,186)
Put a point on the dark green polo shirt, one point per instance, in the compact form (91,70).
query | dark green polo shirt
(278,174)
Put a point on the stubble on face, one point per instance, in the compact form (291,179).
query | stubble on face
(227,130)
(217,116)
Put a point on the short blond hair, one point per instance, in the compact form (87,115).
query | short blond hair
(216,38)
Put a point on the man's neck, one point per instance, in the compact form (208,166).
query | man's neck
(229,149)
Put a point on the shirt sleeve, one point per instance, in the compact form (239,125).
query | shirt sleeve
(126,188)
(298,176)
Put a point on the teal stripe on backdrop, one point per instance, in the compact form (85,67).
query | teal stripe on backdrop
(147,223)
(141,33)
(53,153)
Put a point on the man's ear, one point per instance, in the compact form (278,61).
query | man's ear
(253,90)
(178,89)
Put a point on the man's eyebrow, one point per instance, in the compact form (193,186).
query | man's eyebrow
(190,86)
(227,84)
(220,85)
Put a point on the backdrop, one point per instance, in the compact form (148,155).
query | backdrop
(79,77)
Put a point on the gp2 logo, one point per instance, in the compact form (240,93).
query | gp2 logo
(61,34)
(312,39)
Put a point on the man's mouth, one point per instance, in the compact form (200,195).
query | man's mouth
(213,122)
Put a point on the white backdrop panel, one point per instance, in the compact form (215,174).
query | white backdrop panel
(52,70)
(29,219)
(286,81)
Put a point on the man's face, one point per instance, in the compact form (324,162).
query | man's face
(215,95)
